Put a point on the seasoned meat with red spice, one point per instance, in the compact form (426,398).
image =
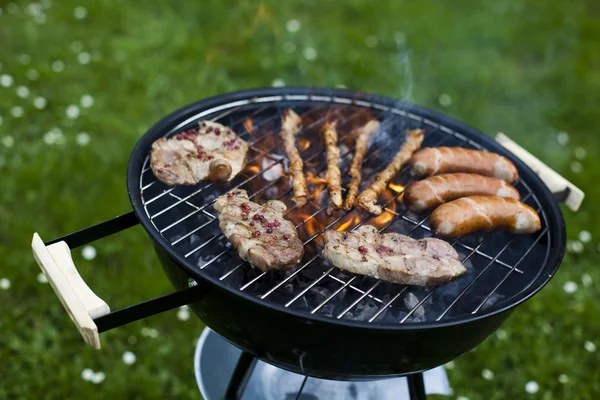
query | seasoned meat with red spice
(212,151)
(259,233)
(393,257)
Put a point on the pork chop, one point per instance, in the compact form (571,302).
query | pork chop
(393,257)
(259,233)
(212,151)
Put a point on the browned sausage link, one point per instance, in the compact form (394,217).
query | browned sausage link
(431,192)
(441,160)
(483,213)
(364,135)
(290,125)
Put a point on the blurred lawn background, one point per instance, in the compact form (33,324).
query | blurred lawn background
(81,81)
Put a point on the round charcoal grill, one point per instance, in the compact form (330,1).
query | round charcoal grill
(315,319)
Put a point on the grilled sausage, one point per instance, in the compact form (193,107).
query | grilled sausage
(431,192)
(483,213)
(364,135)
(367,200)
(291,123)
(441,160)
(333,174)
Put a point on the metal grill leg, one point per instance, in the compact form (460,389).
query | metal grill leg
(416,386)
(241,374)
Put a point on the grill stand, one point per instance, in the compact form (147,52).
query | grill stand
(223,371)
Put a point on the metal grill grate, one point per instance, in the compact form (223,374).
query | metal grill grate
(497,263)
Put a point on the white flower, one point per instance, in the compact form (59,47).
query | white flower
(278,82)
(87,374)
(76,46)
(98,377)
(83,57)
(41,277)
(22,92)
(576,167)
(449,365)
(501,334)
(562,378)
(39,18)
(589,346)
(34,9)
(462,398)
(310,54)
(33,74)
(586,279)
(574,246)
(88,252)
(8,141)
(400,37)
(39,102)
(24,59)
(86,101)
(6,80)
(293,25)
(17,111)
(570,287)
(72,111)
(183,314)
(58,66)
(532,387)
(12,8)
(79,12)
(4,284)
(563,138)
(83,139)
(289,47)
(585,236)
(371,41)
(445,100)
(129,358)
(54,136)
(580,153)
(487,374)
(149,332)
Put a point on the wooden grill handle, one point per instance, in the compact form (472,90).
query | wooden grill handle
(81,303)
(555,182)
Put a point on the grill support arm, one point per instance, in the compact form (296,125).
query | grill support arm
(90,314)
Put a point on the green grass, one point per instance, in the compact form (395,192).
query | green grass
(527,69)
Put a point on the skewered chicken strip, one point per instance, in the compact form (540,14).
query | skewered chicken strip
(368,198)
(365,134)
(290,125)
(333,174)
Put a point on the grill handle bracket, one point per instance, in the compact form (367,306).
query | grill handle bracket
(80,302)
(572,195)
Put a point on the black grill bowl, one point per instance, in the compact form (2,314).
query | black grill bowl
(326,347)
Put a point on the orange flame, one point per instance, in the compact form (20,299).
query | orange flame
(384,217)
(396,188)
(316,185)
(303,144)
(351,222)
(254,169)
(248,126)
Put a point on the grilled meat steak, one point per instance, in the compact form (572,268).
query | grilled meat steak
(213,151)
(259,233)
(393,257)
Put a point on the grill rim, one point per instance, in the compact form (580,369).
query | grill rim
(557,226)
